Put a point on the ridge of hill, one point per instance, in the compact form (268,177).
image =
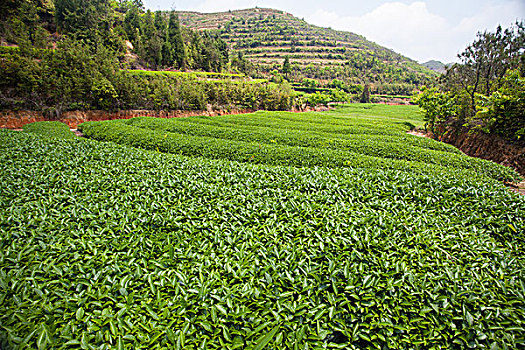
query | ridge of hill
(267,36)
(436,66)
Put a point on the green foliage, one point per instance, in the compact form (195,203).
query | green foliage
(151,41)
(438,108)
(104,246)
(278,139)
(337,84)
(365,96)
(318,99)
(267,37)
(176,44)
(74,77)
(92,21)
(204,75)
(287,68)
(19,77)
(104,93)
(157,38)
(503,112)
(25,22)
(50,129)
(487,86)
(338,95)
(131,25)
(310,83)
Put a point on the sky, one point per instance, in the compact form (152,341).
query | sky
(419,29)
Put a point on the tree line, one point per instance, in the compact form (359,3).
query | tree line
(485,90)
(86,65)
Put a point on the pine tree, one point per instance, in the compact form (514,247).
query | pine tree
(152,41)
(85,19)
(287,68)
(176,43)
(365,96)
(160,25)
(131,24)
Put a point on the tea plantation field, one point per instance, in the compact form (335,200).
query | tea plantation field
(345,243)
(370,136)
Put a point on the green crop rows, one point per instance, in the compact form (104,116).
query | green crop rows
(51,129)
(308,139)
(108,246)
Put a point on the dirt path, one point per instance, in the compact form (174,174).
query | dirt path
(417,133)
(517,187)
(77,132)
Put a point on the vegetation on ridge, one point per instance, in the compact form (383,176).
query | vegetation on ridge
(266,38)
(88,66)
(102,37)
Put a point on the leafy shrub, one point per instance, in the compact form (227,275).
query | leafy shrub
(104,93)
(438,108)
(503,112)
(107,246)
(485,91)
(50,129)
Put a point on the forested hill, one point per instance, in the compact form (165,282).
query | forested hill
(108,45)
(266,37)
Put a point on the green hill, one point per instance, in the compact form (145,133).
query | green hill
(266,36)
(437,66)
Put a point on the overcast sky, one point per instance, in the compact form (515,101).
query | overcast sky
(420,29)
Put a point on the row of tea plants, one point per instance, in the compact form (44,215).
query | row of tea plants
(307,139)
(108,246)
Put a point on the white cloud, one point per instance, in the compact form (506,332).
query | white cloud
(492,16)
(414,31)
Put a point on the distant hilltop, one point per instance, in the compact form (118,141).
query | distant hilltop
(437,66)
(266,37)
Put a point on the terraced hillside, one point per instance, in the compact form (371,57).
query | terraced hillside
(267,36)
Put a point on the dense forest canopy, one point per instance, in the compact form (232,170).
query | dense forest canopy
(157,38)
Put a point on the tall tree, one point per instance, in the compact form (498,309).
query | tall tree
(131,25)
(287,68)
(484,63)
(365,96)
(176,43)
(151,41)
(484,91)
(86,19)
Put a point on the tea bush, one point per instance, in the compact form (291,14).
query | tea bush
(105,246)
(281,138)
(50,128)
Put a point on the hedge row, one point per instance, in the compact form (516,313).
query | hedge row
(274,154)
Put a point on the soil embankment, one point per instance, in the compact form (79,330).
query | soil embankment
(490,147)
(17,119)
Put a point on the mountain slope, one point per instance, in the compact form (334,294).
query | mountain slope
(267,36)
(436,66)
